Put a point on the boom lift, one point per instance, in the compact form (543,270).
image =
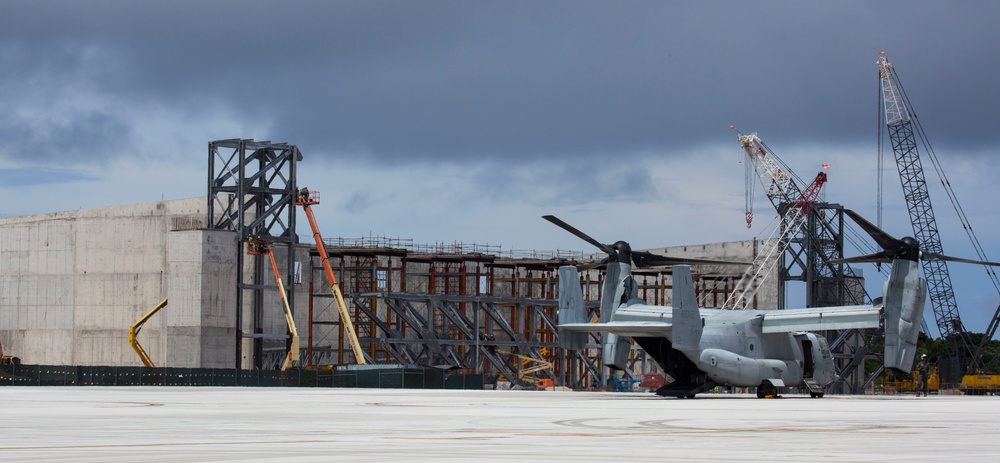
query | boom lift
(259,247)
(133,333)
(307,199)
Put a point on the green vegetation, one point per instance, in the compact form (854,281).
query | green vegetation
(936,350)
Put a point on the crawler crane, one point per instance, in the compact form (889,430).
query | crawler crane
(904,133)
(794,206)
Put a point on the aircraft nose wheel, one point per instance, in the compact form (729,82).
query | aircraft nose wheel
(766,389)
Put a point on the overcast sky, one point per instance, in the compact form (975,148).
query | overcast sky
(465,121)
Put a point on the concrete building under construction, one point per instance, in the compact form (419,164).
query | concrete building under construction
(73,283)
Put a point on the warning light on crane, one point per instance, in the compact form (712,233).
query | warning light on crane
(826,166)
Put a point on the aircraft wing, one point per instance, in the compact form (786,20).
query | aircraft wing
(639,329)
(821,318)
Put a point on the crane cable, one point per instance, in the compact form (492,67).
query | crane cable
(947,185)
(750,178)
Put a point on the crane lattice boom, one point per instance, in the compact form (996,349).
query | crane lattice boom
(793,204)
(793,222)
(918,203)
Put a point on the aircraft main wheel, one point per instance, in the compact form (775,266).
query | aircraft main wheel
(766,389)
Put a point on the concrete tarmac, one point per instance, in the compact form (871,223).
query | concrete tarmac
(178,424)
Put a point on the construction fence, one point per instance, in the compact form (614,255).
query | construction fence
(380,376)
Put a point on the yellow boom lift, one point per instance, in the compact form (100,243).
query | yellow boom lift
(258,247)
(306,199)
(133,333)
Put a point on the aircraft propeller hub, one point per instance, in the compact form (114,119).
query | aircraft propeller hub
(623,252)
(907,248)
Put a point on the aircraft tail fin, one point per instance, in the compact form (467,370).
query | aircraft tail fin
(686,313)
(571,308)
(904,295)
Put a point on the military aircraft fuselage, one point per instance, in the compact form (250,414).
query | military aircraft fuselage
(701,348)
(741,354)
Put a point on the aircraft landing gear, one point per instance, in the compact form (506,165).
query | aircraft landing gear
(766,389)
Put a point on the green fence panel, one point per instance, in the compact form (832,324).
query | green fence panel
(376,376)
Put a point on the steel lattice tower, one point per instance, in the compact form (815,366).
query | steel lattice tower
(252,190)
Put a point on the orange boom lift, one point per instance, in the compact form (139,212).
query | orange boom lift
(258,247)
(306,199)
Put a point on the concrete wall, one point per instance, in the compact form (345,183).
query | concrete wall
(72,283)
(200,319)
(738,251)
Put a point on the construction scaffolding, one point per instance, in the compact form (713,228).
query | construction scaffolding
(469,307)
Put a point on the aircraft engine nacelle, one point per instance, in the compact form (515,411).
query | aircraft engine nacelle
(725,367)
(904,295)
(571,308)
(618,288)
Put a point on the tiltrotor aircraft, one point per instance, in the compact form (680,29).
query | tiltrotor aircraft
(701,348)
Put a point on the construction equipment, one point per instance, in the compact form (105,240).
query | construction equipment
(794,213)
(259,247)
(306,199)
(980,385)
(8,359)
(901,123)
(530,366)
(133,333)
(909,384)
(816,234)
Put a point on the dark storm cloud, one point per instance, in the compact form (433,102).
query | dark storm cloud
(402,82)
(49,114)
(561,184)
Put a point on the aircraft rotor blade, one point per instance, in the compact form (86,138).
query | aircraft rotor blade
(885,240)
(579,234)
(876,257)
(933,256)
(594,264)
(648,259)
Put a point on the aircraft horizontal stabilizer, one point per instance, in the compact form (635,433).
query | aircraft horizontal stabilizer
(621,328)
(817,319)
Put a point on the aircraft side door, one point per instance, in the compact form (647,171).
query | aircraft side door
(808,350)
